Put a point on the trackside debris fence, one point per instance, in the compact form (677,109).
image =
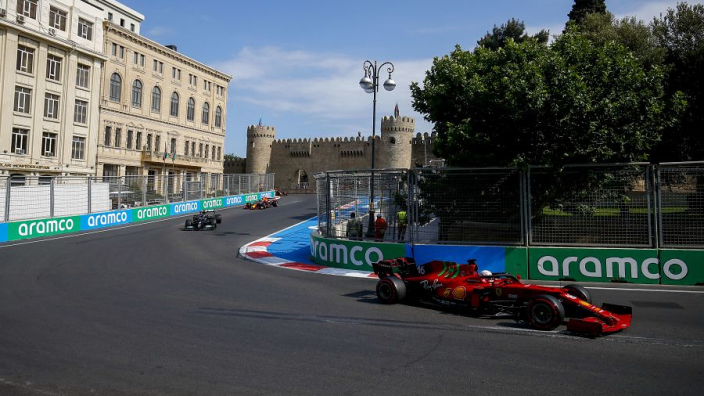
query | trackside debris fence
(30,197)
(611,205)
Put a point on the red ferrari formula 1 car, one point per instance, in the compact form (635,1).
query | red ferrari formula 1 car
(461,285)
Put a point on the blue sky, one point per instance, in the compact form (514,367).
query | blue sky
(297,64)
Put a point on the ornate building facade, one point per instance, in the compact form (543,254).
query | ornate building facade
(51,56)
(162,113)
(295,161)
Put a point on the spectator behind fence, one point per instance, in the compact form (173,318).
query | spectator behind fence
(402,224)
(354,227)
(379,228)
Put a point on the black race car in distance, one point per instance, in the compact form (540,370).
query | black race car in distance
(204,220)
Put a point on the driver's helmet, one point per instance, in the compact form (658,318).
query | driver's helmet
(485,273)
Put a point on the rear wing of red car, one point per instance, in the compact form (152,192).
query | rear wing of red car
(403,266)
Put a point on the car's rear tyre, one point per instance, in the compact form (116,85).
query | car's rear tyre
(390,290)
(545,312)
(218,218)
(579,291)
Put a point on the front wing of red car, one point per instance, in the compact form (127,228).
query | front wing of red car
(608,319)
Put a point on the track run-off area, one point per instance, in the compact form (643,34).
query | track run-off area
(150,309)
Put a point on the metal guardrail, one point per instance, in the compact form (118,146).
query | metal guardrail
(30,197)
(608,205)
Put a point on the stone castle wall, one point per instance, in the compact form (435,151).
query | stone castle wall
(295,161)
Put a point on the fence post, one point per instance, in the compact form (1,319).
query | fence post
(144,190)
(8,193)
(201,186)
(528,212)
(657,234)
(52,201)
(119,192)
(90,195)
(327,205)
(412,209)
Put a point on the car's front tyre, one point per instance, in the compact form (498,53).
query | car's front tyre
(545,312)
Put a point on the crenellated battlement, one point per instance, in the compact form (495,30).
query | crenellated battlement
(397,124)
(261,131)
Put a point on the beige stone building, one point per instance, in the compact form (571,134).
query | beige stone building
(51,54)
(161,112)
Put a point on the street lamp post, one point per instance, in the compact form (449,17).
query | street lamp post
(370,84)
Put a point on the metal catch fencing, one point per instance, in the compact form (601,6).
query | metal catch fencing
(612,205)
(29,197)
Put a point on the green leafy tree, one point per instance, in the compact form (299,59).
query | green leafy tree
(680,33)
(512,30)
(581,8)
(572,102)
(635,35)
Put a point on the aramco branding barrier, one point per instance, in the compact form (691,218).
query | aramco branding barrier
(36,228)
(643,266)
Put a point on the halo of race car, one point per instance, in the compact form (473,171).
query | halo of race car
(485,294)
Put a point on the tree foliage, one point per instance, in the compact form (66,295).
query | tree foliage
(680,33)
(512,30)
(581,8)
(635,35)
(571,102)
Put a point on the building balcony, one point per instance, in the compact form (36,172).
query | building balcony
(180,160)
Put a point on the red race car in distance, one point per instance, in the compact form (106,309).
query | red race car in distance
(461,285)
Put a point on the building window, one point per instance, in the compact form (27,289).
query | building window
(118,137)
(191,113)
(193,148)
(110,16)
(19,141)
(157,143)
(25,59)
(149,142)
(115,87)
(23,99)
(218,117)
(81,112)
(53,68)
(137,93)
(57,18)
(219,153)
(27,8)
(206,113)
(174,105)
(108,136)
(49,144)
(130,136)
(141,60)
(156,99)
(158,66)
(193,80)
(51,106)
(132,27)
(200,150)
(83,76)
(122,22)
(78,148)
(206,150)
(212,154)
(118,50)
(173,145)
(85,29)
(185,148)
(138,144)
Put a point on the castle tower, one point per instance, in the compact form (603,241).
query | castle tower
(259,140)
(396,142)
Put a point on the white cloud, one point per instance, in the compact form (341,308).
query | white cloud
(159,31)
(321,87)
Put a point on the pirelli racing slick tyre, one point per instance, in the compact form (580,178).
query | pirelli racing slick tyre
(390,290)
(579,291)
(545,312)
(218,218)
(189,224)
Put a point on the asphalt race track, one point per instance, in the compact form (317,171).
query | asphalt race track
(153,310)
